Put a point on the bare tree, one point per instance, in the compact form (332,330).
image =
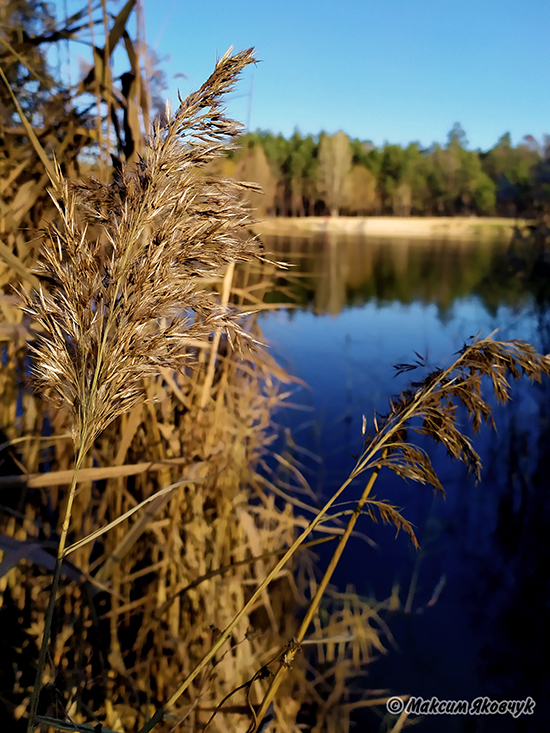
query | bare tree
(253,166)
(335,158)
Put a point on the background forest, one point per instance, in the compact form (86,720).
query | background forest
(331,174)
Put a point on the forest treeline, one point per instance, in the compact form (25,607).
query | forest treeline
(333,174)
(304,175)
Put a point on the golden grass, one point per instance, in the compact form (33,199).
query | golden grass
(167,509)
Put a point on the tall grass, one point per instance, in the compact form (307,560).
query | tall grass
(134,346)
(127,303)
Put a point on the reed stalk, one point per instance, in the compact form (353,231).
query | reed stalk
(35,697)
(430,402)
(314,605)
(127,304)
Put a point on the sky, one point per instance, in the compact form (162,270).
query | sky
(381,70)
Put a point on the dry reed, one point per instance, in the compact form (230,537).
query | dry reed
(203,539)
(429,407)
(127,303)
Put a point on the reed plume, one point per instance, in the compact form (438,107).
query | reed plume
(125,261)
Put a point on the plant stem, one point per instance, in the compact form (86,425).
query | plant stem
(336,556)
(35,697)
(313,606)
(158,716)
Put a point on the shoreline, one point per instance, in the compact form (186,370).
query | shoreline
(451,227)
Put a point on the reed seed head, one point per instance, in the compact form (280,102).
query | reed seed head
(429,407)
(126,261)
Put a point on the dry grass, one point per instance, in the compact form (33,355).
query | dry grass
(128,302)
(133,642)
(170,429)
(428,407)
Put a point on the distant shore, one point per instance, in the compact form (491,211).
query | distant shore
(454,227)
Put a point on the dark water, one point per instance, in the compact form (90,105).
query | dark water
(474,601)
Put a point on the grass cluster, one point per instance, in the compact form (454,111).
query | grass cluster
(163,502)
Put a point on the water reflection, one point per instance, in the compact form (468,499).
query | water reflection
(331,272)
(474,602)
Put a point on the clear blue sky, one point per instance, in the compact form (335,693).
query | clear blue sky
(395,70)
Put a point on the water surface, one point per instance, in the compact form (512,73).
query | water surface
(474,600)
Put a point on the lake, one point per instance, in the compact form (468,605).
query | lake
(473,603)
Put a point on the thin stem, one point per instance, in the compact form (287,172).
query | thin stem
(314,605)
(35,697)
(336,556)
(158,716)
(46,162)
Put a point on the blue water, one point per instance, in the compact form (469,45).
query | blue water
(348,363)
(471,623)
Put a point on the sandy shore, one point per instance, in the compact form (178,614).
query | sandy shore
(456,227)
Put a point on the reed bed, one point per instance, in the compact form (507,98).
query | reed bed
(144,466)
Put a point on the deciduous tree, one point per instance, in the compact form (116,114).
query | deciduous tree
(335,158)
(252,166)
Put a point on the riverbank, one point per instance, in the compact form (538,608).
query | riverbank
(455,227)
